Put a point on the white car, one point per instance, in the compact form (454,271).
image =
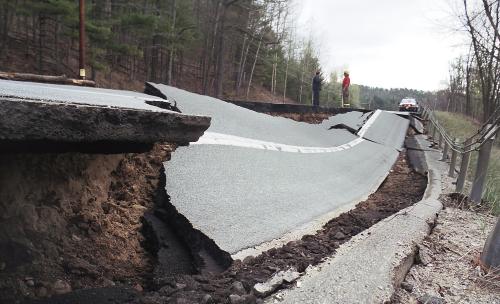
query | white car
(408,105)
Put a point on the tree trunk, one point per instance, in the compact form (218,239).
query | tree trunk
(172,47)
(219,82)
(41,36)
(5,28)
(468,98)
(253,66)
(286,74)
(240,64)
(211,58)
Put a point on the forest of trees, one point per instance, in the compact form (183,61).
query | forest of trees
(223,48)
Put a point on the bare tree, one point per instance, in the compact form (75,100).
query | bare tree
(482,25)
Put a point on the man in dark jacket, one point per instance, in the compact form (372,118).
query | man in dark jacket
(316,86)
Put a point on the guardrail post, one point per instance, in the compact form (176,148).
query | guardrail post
(433,131)
(464,165)
(440,143)
(491,251)
(445,151)
(483,161)
(453,162)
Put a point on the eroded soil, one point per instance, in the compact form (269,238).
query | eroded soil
(73,221)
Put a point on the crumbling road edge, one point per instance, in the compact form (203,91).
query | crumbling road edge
(369,267)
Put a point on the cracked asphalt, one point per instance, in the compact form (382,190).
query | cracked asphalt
(243,197)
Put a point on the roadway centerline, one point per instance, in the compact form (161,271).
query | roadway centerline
(213,138)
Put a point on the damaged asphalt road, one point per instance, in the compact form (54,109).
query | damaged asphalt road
(243,197)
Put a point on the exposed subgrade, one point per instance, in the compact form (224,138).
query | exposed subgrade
(187,244)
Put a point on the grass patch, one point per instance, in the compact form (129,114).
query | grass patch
(462,127)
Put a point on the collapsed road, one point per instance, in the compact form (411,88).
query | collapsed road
(254,181)
(251,183)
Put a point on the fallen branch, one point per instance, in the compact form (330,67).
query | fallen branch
(63,79)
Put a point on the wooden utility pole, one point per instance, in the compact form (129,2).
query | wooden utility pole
(82,40)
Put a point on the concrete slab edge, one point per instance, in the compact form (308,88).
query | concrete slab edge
(369,267)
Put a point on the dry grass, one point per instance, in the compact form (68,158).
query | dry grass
(462,127)
(490,280)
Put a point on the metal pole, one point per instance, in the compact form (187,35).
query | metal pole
(491,252)
(82,40)
(445,151)
(464,165)
(453,162)
(483,161)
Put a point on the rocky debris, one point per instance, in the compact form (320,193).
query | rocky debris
(339,235)
(61,287)
(207,299)
(424,255)
(238,288)
(428,299)
(264,289)
(407,286)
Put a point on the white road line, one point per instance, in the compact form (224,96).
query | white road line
(369,123)
(212,138)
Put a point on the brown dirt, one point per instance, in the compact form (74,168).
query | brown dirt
(447,265)
(312,118)
(402,188)
(72,221)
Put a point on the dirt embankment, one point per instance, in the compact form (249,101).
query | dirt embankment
(71,221)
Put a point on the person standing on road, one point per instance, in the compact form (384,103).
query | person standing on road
(345,89)
(316,86)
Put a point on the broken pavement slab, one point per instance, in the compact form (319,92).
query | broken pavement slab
(271,285)
(58,118)
(386,129)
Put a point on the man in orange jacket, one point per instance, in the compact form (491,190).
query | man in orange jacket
(345,89)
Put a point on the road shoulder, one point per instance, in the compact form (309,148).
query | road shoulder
(369,267)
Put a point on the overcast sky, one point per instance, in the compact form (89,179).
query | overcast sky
(384,43)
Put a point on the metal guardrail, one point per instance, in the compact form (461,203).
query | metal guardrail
(482,142)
